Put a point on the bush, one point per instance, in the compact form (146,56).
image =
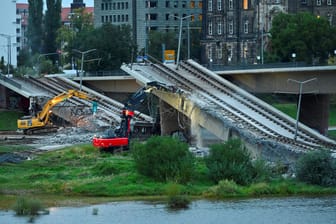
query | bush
(164,159)
(175,199)
(230,161)
(225,188)
(24,206)
(317,168)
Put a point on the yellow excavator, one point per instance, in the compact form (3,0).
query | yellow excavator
(40,123)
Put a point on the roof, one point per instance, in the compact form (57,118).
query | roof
(67,10)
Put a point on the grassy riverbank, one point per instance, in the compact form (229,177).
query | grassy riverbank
(81,174)
(8,120)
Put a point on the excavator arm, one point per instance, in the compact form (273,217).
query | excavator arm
(41,120)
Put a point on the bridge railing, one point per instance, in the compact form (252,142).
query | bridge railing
(221,67)
(10,81)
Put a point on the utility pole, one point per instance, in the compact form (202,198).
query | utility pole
(82,64)
(301,83)
(180,37)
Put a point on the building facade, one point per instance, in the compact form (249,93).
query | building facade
(324,8)
(10,30)
(145,16)
(236,32)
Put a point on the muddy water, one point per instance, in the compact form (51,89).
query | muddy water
(249,211)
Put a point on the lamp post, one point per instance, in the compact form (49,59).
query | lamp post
(82,63)
(294,56)
(180,36)
(299,103)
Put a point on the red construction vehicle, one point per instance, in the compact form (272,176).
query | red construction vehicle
(119,138)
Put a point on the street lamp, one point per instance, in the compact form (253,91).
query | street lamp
(299,103)
(180,36)
(82,62)
(294,56)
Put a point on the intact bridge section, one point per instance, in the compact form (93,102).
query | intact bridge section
(317,83)
(207,107)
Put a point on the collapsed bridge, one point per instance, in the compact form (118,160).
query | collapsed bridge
(214,105)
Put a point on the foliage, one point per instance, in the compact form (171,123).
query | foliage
(69,37)
(169,159)
(113,44)
(223,189)
(26,206)
(170,40)
(157,39)
(317,168)
(176,200)
(47,67)
(35,21)
(231,161)
(311,38)
(52,23)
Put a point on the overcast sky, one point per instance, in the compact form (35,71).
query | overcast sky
(65,3)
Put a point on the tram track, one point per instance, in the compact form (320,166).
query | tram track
(241,107)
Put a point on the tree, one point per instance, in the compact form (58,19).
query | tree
(35,31)
(52,23)
(164,158)
(157,39)
(309,36)
(170,40)
(113,44)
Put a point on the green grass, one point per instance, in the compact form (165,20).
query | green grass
(291,109)
(83,171)
(9,120)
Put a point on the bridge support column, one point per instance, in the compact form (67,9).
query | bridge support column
(168,119)
(315,112)
(196,133)
(3,94)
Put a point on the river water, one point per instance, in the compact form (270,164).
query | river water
(298,210)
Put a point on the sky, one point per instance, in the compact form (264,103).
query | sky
(65,3)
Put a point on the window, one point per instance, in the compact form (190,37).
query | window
(303,2)
(245,4)
(175,4)
(192,4)
(318,2)
(102,6)
(200,4)
(219,28)
(246,24)
(192,18)
(329,2)
(210,28)
(230,27)
(219,5)
(184,4)
(102,19)
(126,18)
(210,5)
(167,4)
(167,16)
(219,52)
(126,5)
(230,4)
(210,53)
(229,49)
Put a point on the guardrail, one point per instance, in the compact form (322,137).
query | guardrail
(10,81)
